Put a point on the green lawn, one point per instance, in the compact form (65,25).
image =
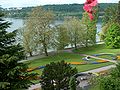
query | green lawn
(101,48)
(107,57)
(71,57)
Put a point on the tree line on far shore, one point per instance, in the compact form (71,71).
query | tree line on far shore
(60,10)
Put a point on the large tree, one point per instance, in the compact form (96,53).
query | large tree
(75,30)
(38,25)
(13,75)
(90,29)
(26,38)
(112,14)
(61,37)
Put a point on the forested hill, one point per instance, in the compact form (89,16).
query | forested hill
(65,7)
(60,11)
(74,7)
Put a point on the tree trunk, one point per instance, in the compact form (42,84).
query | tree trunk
(45,49)
(75,46)
(75,43)
(86,43)
(30,54)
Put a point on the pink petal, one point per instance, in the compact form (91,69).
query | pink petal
(94,3)
(87,8)
(90,16)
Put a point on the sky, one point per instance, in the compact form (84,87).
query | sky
(26,3)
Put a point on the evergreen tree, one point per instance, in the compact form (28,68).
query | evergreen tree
(13,75)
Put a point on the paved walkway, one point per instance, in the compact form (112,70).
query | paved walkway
(33,58)
(38,56)
(35,87)
(113,61)
(100,69)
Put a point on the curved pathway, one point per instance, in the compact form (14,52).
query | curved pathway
(100,69)
(113,61)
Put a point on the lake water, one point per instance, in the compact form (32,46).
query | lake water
(18,23)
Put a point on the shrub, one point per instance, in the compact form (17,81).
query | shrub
(72,83)
(112,39)
(56,76)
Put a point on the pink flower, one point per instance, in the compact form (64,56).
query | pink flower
(88,7)
(91,2)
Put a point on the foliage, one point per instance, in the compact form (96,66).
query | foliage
(116,71)
(110,15)
(38,28)
(112,39)
(104,30)
(75,30)
(112,81)
(118,16)
(90,29)
(72,83)
(62,37)
(13,75)
(26,39)
(56,76)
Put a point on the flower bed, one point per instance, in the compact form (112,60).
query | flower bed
(102,61)
(118,57)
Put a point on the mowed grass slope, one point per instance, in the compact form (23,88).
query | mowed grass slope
(101,48)
(73,57)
